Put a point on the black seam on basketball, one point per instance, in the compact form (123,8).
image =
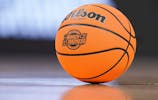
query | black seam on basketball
(79,24)
(116,19)
(127,48)
(65,54)
(127,56)
(127,63)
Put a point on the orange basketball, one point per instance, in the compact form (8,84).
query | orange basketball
(95,43)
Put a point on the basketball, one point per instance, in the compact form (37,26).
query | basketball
(95,43)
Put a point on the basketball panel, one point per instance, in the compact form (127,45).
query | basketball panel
(95,40)
(89,65)
(112,74)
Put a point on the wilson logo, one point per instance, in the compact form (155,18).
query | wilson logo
(74,39)
(84,13)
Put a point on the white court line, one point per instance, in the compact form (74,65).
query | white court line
(45,81)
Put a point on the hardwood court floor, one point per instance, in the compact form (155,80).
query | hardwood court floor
(40,77)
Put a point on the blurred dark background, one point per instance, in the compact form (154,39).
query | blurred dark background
(25,32)
(28,29)
(143,15)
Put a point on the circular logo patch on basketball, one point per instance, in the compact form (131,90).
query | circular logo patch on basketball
(74,39)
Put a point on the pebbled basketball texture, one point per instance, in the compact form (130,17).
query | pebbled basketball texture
(95,43)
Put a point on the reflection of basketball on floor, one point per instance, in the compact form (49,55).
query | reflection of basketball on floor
(95,43)
(95,92)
